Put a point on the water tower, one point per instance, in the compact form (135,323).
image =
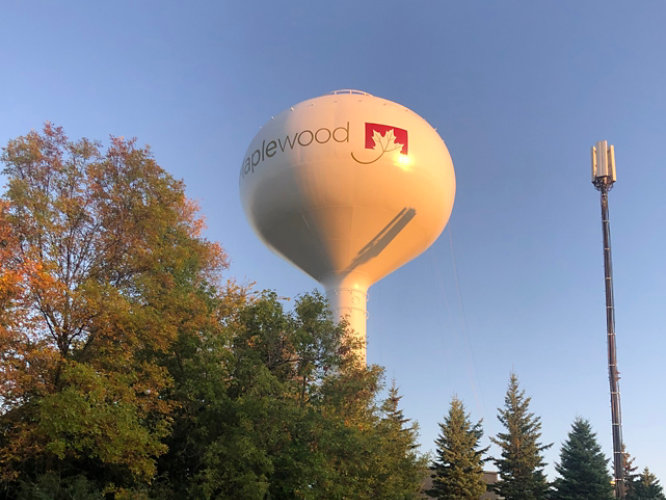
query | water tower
(348,187)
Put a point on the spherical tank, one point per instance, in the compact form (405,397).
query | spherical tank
(348,187)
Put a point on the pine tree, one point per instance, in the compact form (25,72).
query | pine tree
(583,467)
(630,470)
(458,470)
(400,470)
(521,463)
(645,487)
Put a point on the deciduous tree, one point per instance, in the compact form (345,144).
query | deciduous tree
(103,265)
(127,368)
(285,411)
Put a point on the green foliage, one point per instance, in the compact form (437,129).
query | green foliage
(521,462)
(400,470)
(128,371)
(50,486)
(641,486)
(89,417)
(629,467)
(458,469)
(583,468)
(285,412)
(102,268)
(645,487)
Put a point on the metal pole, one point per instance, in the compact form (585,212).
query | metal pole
(604,186)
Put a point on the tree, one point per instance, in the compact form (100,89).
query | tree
(103,266)
(401,469)
(278,406)
(645,487)
(128,369)
(629,468)
(521,462)
(248,423)
(458,469)
(583,467)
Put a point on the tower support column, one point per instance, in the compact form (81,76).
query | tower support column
(603,178)
(347,300)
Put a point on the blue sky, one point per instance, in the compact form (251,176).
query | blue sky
(519,91)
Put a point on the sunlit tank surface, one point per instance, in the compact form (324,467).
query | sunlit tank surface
(348,187)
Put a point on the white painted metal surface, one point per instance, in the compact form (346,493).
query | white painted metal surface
(603,162)
(348,187)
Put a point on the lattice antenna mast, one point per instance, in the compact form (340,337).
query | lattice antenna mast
(603,178)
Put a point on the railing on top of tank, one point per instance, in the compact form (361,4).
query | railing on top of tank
(348,91)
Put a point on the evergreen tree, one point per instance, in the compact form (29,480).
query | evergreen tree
(521,462)
(645,487)
(583,467)
(630,469)
(401,470)
(458,469)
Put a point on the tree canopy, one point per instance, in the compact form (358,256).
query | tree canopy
(129,368)
(296,416)
(103,264)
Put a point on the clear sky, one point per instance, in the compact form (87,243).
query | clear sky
(519,91)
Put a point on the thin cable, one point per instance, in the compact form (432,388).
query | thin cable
(465,330)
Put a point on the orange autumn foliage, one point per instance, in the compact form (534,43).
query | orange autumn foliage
(102,265)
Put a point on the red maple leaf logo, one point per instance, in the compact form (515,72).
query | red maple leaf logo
(374,131)
(383,139)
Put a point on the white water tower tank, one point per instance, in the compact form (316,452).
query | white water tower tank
(348,187)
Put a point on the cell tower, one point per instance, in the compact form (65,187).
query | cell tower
(603,178)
